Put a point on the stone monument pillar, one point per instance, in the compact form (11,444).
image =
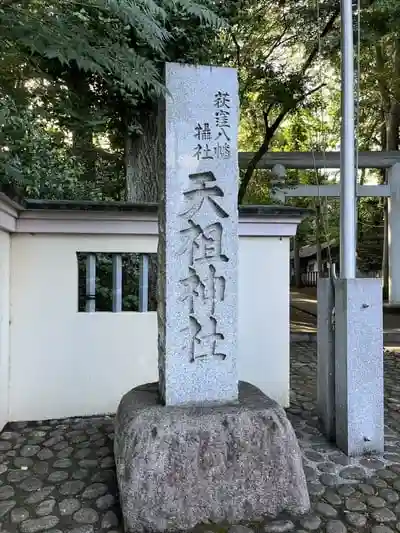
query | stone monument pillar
(200,446)
(198,247)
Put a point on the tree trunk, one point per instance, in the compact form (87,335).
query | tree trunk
(296,262)
(82,133)
(83,149)
(143,162)
(142,159)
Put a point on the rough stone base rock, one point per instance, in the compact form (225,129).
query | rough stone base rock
(181,466)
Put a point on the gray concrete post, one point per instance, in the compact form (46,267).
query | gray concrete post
(359,366)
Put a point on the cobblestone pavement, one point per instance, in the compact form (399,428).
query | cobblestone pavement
(58,475)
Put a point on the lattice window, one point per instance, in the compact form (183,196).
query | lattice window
(116,282)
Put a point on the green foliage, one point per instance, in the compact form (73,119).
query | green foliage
(34,158)
(97,35)
(104,283)
(77,76)
(70,74)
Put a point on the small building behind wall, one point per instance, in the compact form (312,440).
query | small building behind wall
(58,359)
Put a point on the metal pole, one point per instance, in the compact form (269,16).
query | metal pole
(347,148)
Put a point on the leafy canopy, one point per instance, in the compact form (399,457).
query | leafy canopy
(97,35)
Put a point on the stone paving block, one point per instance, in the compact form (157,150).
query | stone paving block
(17,505)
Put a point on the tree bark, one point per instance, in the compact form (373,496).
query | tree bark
(296,262)
(143,162)
(82,133)
(142,158)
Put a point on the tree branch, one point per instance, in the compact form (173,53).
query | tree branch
(237,47)
(310,92)
(314,52)
(270,131)
(256,159)
(5,3)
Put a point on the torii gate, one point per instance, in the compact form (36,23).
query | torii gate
(279,161)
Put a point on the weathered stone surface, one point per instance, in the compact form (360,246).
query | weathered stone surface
(33,525)
(384,515)
(57,476)
(6,492)
(367,489)
(105,502)
(223,463)
(65,454)
(29,450)
(378,482)
(86,515)
(316,489)
(16,476)
(332,497)
(198,243)
(359,412)
(95,490)
(372,462)
(389,495)
(45,508)
(353,472)
(23,462)
(328,468)
(63,463)
(387,474)
(326,510)
(310,473)
(40,495)
(356,519)
(279,526)
(83,529)
(6,506)
(354,504)
(31,484)
(330,480)
(335,526)
(41,468)
(70,488)
(381,529)
(311,523)
(240,529)
(376,502)
(45,453)
(110,519)
(347,490)
(19,514)
(68,506)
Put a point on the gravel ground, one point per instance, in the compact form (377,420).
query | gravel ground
(59,475)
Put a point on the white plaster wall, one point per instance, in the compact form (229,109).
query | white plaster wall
(264,334)
(4,325)
(65,363)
